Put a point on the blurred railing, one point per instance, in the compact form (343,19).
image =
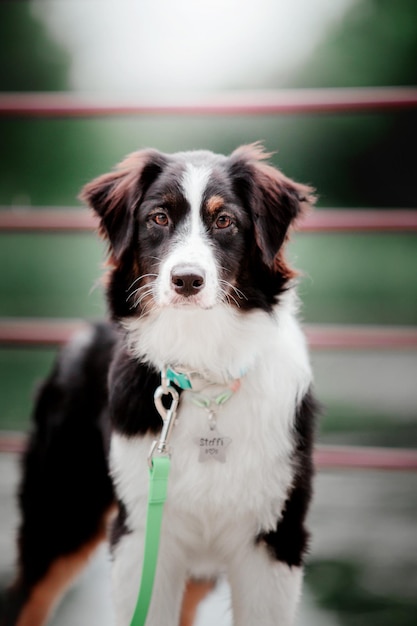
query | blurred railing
(325,457)
(268,102)
(53,332)
(45,332)
(73,219)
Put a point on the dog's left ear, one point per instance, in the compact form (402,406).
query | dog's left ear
(115,195)
(274,200)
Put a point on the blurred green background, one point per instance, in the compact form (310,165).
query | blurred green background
(361,160)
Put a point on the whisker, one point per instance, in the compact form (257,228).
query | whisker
(135,291)
(148,307)
(227,297)
(139,278)
(140,293)
(138,300)
(230,297)
(237,291)
(142,296)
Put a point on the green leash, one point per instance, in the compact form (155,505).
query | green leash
(159,465)
(158,485)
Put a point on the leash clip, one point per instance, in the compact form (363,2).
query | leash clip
(161,445)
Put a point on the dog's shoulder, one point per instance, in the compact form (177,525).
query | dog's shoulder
(131,386)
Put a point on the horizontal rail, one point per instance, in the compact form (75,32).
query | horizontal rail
(38,332)
(347,337)
(24,219)
(365,220)
(325,456)
(56,219)
(365,458)
(292,101)
(52,332)
(12,442)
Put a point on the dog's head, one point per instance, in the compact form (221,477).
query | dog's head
(195,229)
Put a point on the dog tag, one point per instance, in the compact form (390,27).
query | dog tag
(212,446)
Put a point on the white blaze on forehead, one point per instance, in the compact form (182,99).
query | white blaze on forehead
(191,247)
(194,184)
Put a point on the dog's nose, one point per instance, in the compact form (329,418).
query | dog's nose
(187,280)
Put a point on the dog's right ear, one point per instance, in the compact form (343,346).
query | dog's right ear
(114,196)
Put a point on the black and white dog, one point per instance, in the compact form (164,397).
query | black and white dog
(197,282)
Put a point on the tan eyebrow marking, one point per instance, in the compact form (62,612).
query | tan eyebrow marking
(169,198)
(214,204)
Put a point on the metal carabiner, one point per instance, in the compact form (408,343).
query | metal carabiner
(161,445)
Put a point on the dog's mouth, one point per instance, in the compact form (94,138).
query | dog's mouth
(150,300)
(195,301)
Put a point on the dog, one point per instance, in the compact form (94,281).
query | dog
(197,285)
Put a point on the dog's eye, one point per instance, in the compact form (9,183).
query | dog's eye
(161,219)
(223,221)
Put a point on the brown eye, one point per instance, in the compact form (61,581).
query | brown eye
(161,219)
(223,221)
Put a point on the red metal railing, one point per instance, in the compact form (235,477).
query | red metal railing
(53,332)
(271,102)
(325,457)
(21,219)
(351,457)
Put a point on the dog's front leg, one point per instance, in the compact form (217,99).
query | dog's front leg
(265,591)
(169,582)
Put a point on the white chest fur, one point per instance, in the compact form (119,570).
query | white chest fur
(253,482)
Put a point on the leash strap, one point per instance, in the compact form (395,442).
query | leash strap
(158,485)
(159,466)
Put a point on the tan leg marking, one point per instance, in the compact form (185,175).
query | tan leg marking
(195,592)
(46,594)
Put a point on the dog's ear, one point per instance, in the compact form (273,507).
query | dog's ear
(273,200)
(114,196)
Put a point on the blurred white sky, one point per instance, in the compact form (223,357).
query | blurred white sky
(192,45)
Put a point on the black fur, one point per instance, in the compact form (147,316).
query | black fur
(66,460)
(119,528)
(289,542)
(131,405)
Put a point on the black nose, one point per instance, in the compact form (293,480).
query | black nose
(187,280)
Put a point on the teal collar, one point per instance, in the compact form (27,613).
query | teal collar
(206,395)
(181,379)
(194,381)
